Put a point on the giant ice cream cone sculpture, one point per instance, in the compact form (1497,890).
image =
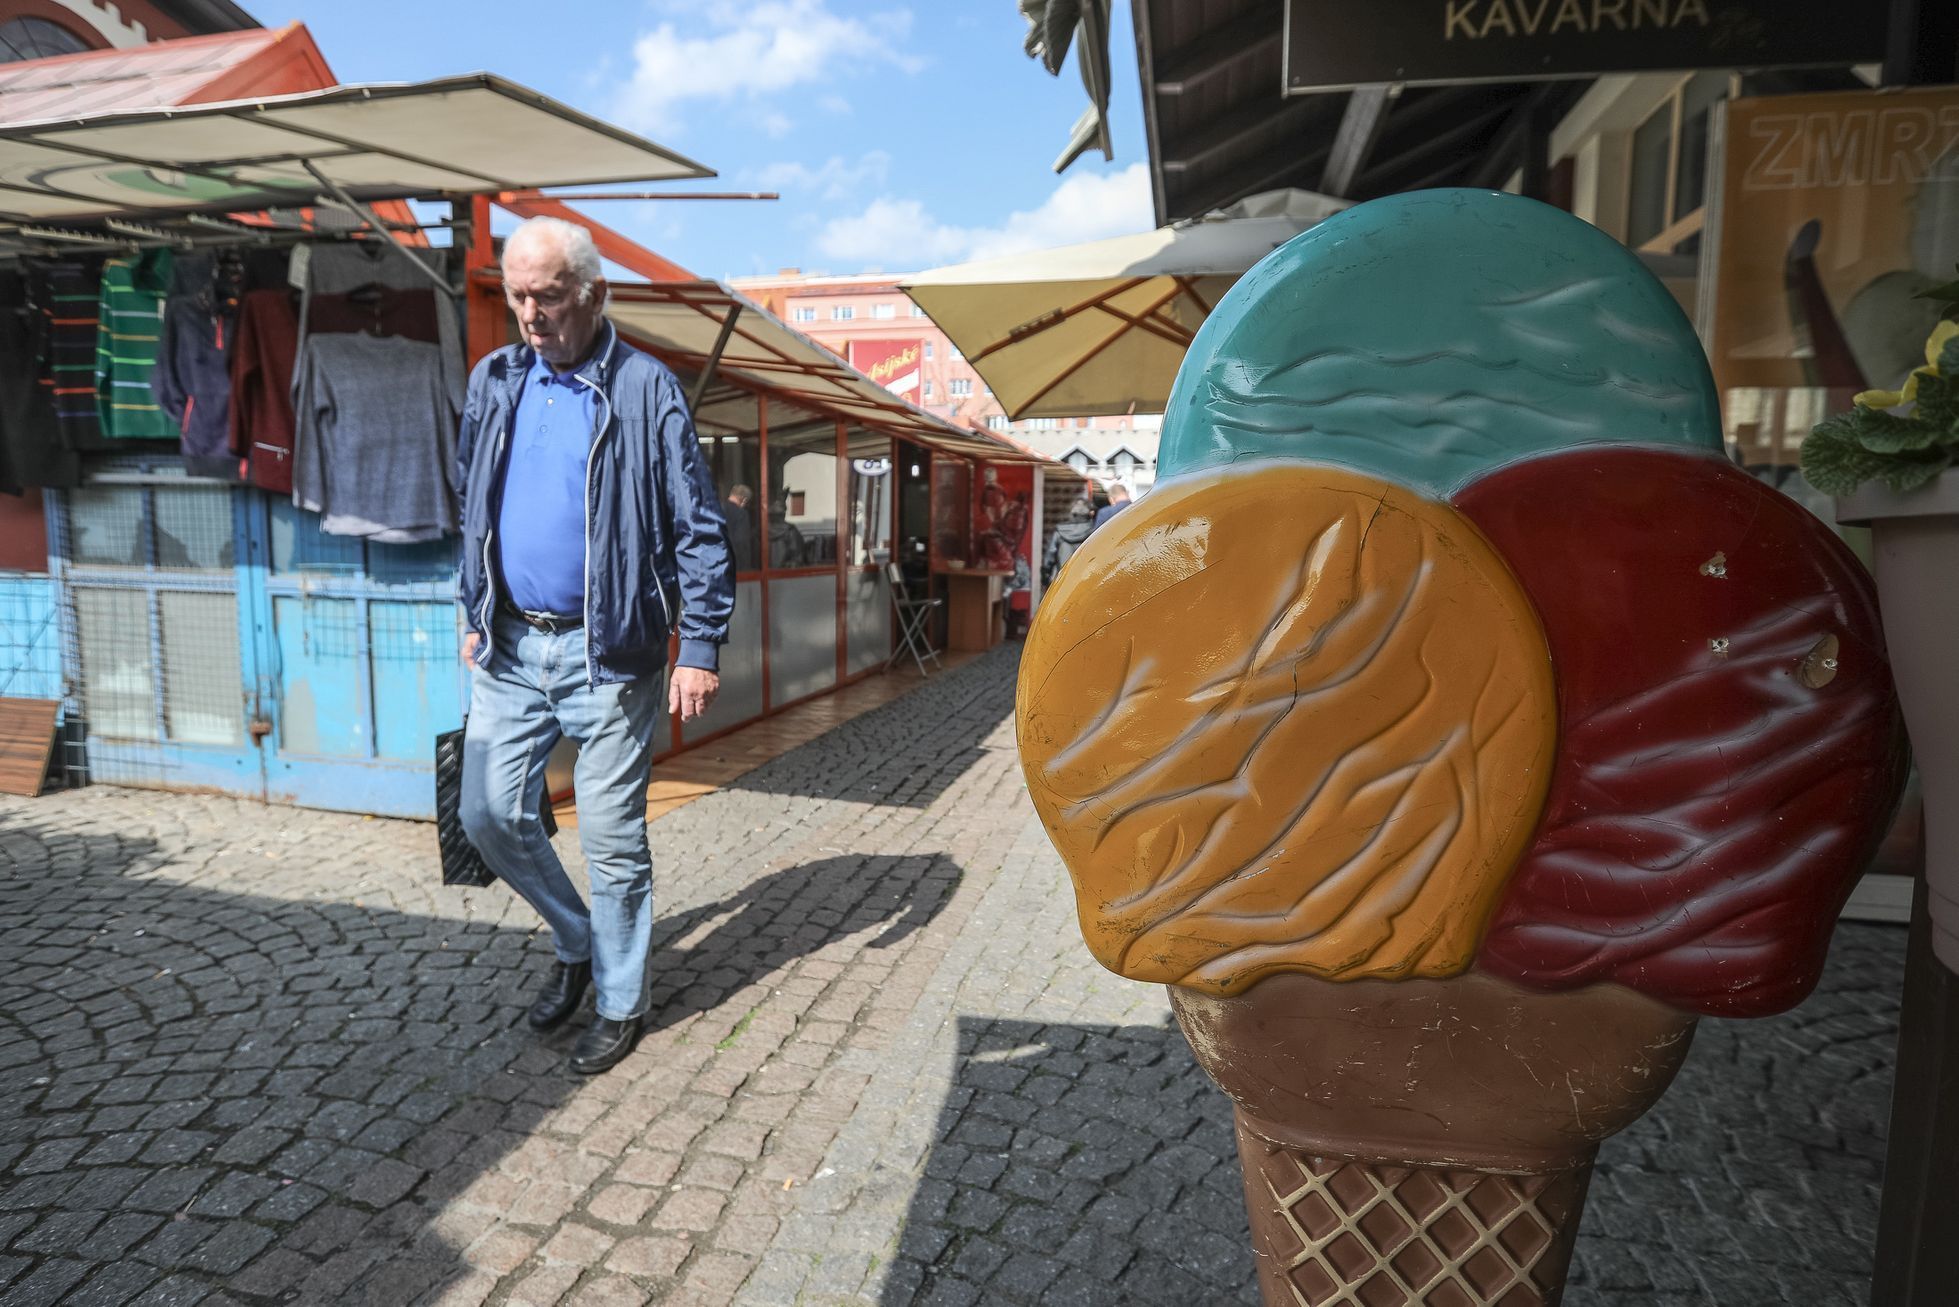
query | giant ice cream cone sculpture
(1450,728)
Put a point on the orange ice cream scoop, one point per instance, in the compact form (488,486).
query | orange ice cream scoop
(1286,718)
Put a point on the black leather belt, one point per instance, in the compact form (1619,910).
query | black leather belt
(549,623)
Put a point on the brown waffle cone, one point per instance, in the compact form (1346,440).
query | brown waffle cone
(1425,1143)
(1329,1232)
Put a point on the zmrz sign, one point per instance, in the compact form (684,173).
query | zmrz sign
(1332,44)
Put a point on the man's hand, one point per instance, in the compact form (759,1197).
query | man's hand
(691,691)
(470,642)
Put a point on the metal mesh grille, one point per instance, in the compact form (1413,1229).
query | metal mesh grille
(30,639)
(193,529)
(118,693)
(203,686)
(1352,1234)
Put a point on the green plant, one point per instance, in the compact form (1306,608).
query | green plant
(1875,441)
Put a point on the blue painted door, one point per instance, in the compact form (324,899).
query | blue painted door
(359,667)
(217,640)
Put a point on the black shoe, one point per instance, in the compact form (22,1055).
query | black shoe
(561,994)
(605,1044)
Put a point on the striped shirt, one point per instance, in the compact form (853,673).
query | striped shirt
(126,347)
(66,292)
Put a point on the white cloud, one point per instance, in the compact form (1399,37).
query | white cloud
(836,178)
(891,233)
(753,51)
(833,103)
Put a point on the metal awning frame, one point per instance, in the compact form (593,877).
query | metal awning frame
(47,134)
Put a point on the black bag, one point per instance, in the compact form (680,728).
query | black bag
(461,863)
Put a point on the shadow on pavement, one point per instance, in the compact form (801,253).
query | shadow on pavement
(1083,1166)
(703,955)
(204,1089)
(1077,1164)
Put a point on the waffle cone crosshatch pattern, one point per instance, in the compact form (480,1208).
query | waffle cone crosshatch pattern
(1446,731)
(1339,1233)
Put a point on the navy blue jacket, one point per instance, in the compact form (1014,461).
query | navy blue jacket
(656,549)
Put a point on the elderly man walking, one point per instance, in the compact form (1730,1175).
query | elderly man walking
(591,531)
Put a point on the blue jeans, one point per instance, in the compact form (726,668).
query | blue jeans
(534,691)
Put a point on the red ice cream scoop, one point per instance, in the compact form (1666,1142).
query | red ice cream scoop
(1729,745)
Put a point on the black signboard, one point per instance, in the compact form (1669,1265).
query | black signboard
(1333,44)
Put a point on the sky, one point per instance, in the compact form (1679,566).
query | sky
(901,136)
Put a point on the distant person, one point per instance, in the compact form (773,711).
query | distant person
(1118,500)
(741,528)
(1067,538)
(786,546)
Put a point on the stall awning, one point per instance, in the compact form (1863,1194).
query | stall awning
(684,322)
(456,134)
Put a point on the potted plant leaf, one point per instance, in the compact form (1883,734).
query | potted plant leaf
(1890,461)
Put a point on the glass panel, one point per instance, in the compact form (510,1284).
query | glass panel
(418,676)
(734,458)
(871,487)
(802,636)
(193,529)
(741,668)
(298,544)
(105,527)
(118,696)
(1651,156)
(952,511)
(320,659)
(203,686)
(802,492)
(1697,102)
(867,610)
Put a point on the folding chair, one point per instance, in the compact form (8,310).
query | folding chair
(912,615)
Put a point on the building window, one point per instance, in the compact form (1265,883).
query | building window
(884,311)
(1667,188)
(985,389)
(1050,424)
(928,350)
(803,313)
(36,38)
(952,352)
(1078,461)
(959,386)
(842,312)
(917,312)
(928,387)
(1000,422)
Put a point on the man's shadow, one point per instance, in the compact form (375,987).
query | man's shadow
(702,956)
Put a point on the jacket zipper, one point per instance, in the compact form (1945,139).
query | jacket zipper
(489,535)
(591,462)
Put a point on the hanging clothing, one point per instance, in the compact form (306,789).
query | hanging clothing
(377,443)
(67,293)
(262,357)
(377,391)
(31,452)
(192,380)
(129,334)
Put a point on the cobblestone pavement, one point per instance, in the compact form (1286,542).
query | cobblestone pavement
(256,1055)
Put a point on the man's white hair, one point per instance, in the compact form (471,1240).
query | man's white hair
(575,243)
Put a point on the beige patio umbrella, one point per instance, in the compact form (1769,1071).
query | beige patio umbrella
(1101,327)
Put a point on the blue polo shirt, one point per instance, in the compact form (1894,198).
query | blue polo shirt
(541,513)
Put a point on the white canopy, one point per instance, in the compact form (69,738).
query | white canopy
(686,323)
(473,133)
(1102,327)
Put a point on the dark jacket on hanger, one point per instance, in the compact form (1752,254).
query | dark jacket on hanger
(261,387)
(193,369)
(31,452)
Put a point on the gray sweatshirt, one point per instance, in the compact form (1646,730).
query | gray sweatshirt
(375,415)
